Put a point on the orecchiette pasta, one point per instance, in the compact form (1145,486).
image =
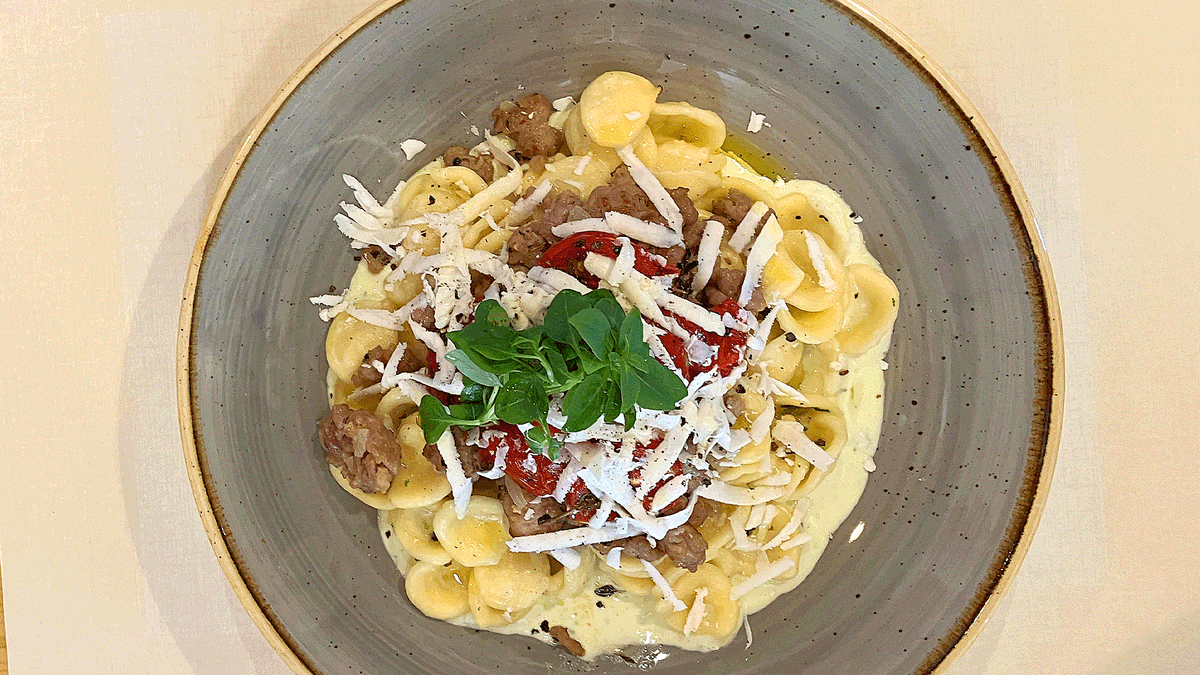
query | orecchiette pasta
(755,298)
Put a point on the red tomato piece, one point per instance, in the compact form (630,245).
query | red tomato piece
(568,255)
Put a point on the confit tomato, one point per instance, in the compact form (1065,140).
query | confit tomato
(730,347)
(568,255)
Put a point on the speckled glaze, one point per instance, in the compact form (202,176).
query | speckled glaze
(973,403)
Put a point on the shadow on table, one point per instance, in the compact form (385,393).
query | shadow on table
(168,537)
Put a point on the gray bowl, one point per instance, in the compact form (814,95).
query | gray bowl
(973,392)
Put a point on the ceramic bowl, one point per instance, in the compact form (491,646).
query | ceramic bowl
(973,391)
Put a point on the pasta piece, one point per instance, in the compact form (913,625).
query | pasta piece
(485,615)
(413,529)
(349,340)
(418,483)
(872,312)
(722,616)
(687,123)
(615,107)
(477,539)
(514,582)
(440,592)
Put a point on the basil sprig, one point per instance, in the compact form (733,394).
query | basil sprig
(587,348)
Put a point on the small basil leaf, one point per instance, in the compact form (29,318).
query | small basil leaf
(584,404)
(435,419)
(604,301)
(564,305)
(631,387)
(631,331)
(593,327)
(660,388)
(470,369)
(473,393)
(522,399)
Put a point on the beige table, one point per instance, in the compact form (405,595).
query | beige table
(117,118)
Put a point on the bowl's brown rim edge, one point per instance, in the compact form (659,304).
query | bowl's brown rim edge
(991,152)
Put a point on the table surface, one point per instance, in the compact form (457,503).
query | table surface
(120,115)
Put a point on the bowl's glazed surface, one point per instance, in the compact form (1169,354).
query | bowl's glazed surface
(972,413)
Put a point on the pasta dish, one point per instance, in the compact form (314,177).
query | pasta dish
(605,383)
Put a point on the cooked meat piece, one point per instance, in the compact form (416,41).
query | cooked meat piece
(424,317)
(482,165)
(701,512)
(527,123)
(692,234)
(735,404)
(480,282)
(757,301)
(673,256)
(726,283)
(638,547)
(685,546)
(622,194)
(563,637)
(468,455)
(561,207)
(357,443)
(538,516)
(376,258)
(537,165)
(686,207)
(367,374)
(525,247)
(733,206)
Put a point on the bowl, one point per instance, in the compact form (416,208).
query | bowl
(973,391)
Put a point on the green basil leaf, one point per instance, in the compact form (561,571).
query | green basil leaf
(584,404)
(470,369)
(660,388)
(631,387)
(435,419)
(473,393)
(562,307)
(522,399)
(593,327)
(631,331)
(490,312)
(541,441)
(604,301)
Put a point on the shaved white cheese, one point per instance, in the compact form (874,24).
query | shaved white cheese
(525,206)
(613,559)
(556,279)
(460,485)
(367,200)
(411,147)
(485,198)
(792,435)
(744,232)
(696,613)
(756,122)
(569,557)
(327,300)
(798,540)
(500,151)
(379,317)
(641,230)
(869,464)
(665,588)
(654,190)
(749,635)
(391,368)
(365,392)
(761,428)
(583,225)
(660,459)
(633,115)
(739,496)
(686,309)
(793,524)
(384,238)
(549,541)
(707,254)
(474,130)
(769,386)
(817,255)
(563,103)
(669,492)
(764,247)
(634,288)
(602,513)
(581,165)
(758,343)
(623,263)
(761,576)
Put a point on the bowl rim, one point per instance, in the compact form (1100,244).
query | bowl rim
(1037,475)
